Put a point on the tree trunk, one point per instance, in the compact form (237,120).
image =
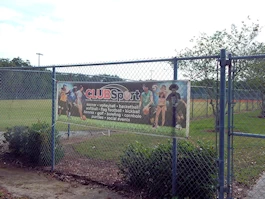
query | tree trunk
(263,105)
(212,96)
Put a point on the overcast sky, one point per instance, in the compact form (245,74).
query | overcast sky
(108,30)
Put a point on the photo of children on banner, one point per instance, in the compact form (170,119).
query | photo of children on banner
(146,105)
(157,106)
(63,103)
(71,98)
(161,106)
(174,99)
(71,101)
(80,102)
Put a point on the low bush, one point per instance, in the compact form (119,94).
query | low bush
(34,143)
(150,169)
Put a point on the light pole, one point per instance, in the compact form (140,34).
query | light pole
(39,54)
(151,71)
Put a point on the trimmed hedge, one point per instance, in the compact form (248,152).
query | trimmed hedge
(150,170)
(34,143)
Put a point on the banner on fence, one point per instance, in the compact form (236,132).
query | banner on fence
(148,102)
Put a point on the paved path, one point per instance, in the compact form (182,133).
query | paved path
(258,191)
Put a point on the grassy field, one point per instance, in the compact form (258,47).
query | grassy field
(111,147)
(26,112)
(249,153)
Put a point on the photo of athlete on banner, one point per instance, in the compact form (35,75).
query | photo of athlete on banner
(181,106)
(146,105)
(161,107)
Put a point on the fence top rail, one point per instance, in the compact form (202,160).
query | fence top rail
(115,63)
(261,56)
(96,64)
(217,57)
(22,69)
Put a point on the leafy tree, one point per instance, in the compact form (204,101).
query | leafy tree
(15,62)
(239,40)
(254,76)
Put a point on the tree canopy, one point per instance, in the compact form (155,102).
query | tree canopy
(15,62)
(239,40)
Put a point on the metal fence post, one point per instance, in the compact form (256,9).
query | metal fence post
(222,123)
(68,130)
(192,106)
(229,133)
(207,106)
(247,105)
(174,141)
(53,117)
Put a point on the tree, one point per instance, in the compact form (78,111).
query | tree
(15,62)
(239,40)
(254,76)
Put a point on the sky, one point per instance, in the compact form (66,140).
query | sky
(85,31)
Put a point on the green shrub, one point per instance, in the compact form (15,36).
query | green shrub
(150,169)
(34,143)
(134,164)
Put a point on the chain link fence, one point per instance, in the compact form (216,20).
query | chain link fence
(248,127)
(26,114)
(138,158)
(135,158)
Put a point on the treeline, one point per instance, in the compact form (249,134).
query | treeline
(38,84)
(19,82)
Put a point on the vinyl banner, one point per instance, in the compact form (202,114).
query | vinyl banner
(148,102)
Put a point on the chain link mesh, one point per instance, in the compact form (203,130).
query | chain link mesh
(140,160)
(136,159)
(26,114)
(248,149)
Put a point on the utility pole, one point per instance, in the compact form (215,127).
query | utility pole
(39,54)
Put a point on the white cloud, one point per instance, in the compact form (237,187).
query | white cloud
(7,14)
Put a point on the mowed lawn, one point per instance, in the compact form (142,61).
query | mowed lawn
(111,147)
(249,153)
(24,112)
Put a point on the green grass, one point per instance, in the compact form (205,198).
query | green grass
(26,112)
(111,147)
(123,126)
(249,158)
(23,112)
(203,108)
(249,153)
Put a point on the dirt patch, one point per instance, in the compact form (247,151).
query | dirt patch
(75,176)
(24,183)
(21,181)
(4,194)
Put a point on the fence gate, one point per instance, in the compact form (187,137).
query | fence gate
(242,134)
